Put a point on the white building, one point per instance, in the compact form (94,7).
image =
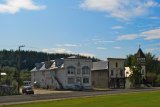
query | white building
(141,60)
(63,73)
(128,72)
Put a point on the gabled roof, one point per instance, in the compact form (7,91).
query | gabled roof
(100,65)
(72,57)
(48,65)
(53,66)
(37,66)
(140,54)
(43,67)
(34,69)
(116,59)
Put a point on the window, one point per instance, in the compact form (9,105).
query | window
(71,70)
(86,70)
(121,73)
(116,64)
(70,80)
(112,72)
(86,80)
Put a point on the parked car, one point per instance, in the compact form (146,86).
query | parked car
(27,90)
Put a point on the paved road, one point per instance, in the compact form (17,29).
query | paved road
(55,96)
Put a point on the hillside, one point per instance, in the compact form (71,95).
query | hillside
(29,58)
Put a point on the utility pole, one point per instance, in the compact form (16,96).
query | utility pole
(19,68)
(0,72)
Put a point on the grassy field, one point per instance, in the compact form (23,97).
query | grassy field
(143,99)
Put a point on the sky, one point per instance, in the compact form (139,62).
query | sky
(99,28)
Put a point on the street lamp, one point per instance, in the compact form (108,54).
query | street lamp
(19,68)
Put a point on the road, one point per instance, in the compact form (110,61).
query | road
(64,95)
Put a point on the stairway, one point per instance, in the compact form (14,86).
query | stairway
(54,77)
(60,84)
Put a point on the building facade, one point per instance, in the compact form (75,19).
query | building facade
(109,74)
(116,68)
(100,74)
(128,72)
(141,59)
(63,73)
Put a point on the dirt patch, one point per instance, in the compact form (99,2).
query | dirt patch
(44,91)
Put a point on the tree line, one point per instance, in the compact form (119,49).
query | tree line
(29,58)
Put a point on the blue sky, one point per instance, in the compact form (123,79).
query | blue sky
(100,28)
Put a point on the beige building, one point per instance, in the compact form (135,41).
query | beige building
(109,74)
(68,73)
(116,68)
(100,74)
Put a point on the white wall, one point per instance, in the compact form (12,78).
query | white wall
(38,77)
(46,77)
(78,64)
(127,72)
(143,71)
(61,75)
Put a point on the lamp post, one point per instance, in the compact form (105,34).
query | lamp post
(19,68)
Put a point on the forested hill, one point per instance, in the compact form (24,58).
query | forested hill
(29,58)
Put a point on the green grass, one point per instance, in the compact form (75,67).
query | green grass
(143,99)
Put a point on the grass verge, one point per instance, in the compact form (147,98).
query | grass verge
(140,99)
